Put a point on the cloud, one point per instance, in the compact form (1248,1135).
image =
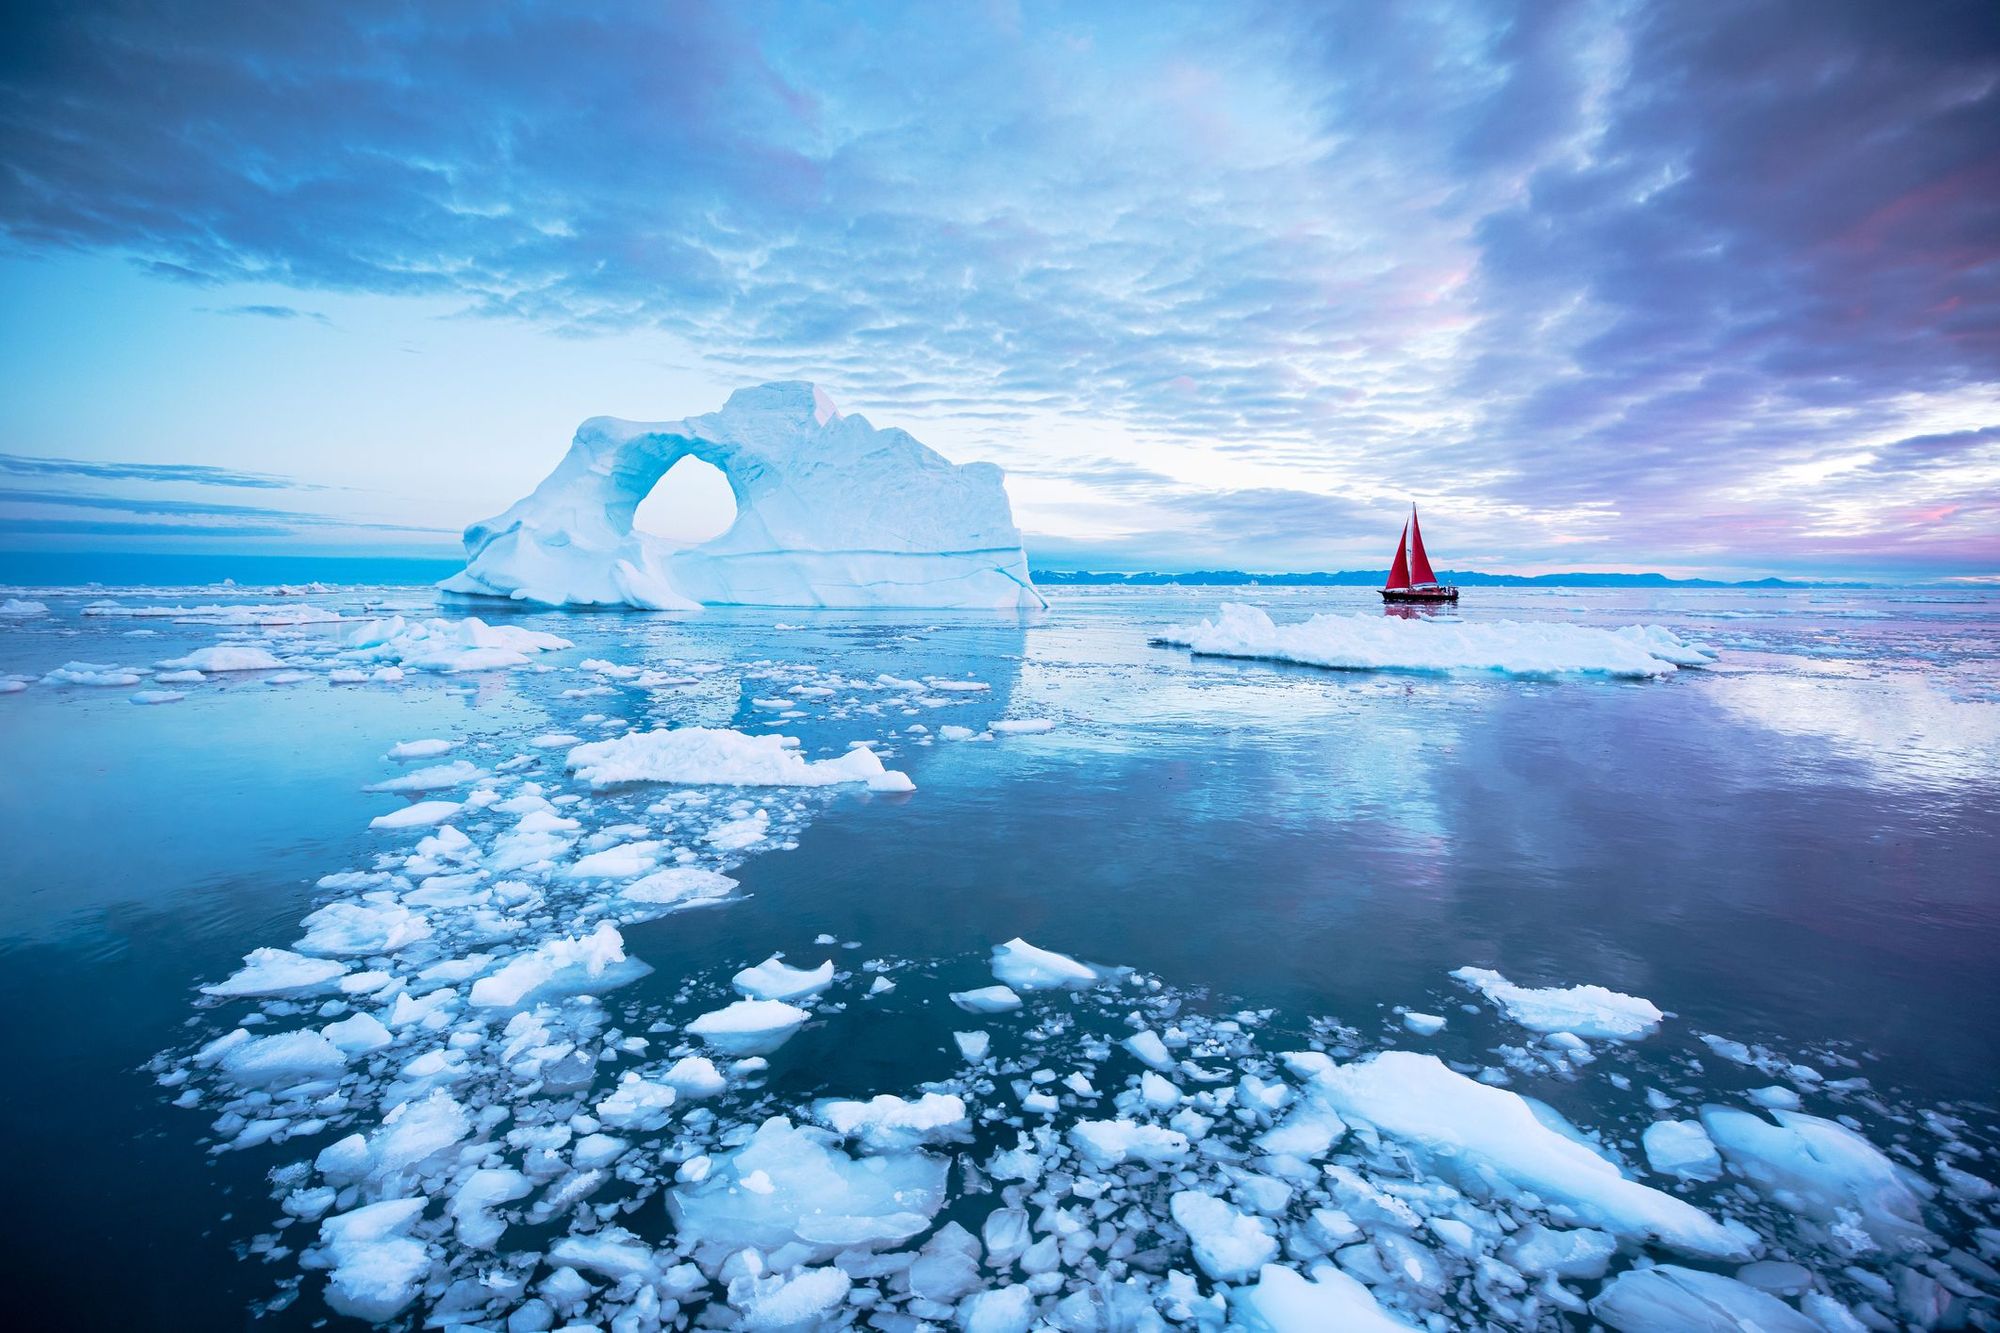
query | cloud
(252,514)
(193,473)
(279,312)
(1599,276)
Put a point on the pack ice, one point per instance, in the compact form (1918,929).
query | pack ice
(829,512)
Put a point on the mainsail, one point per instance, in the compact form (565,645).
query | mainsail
(1399,575)
(1420,565)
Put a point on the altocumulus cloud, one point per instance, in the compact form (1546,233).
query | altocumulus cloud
(1601,272)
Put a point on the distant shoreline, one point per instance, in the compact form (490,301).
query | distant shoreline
(195,569)
(1375,578)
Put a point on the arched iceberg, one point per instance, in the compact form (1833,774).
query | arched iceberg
(829,512)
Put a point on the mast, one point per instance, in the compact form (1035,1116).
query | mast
(1420,565)
(1399,574)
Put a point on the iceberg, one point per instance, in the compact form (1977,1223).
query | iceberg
(830,512)
(1390,643)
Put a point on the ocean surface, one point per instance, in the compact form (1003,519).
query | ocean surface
(1791,853)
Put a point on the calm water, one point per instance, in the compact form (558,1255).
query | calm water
(1794,849)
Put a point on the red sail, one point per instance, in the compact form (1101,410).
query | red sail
(1399,576)
(1420,565)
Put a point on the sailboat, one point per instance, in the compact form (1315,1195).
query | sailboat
(1411,578)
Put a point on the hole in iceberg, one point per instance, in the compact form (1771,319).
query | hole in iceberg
(691,504)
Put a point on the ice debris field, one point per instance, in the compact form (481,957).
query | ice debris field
(468,1124)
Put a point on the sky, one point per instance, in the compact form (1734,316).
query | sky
(1706,288)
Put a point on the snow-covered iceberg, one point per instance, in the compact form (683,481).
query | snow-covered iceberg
(1391,643)
(829,512)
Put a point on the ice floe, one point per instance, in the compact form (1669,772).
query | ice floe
(1390,643)
(1491,1133)
(1022,966)
(749,1027)
(1582,1011)
(714,756)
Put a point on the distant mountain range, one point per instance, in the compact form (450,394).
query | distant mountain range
(1375,578)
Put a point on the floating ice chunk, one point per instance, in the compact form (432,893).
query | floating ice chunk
(421,814)
(179,678)
(791,1184)
(1108,1143)
(772,980)
(423,749)
(437,777)
(737,834)
(1387,643)
(225,657)
(973,1046)
(93,673)
(1581,1252)
(357,928)
(830,512)
(377,1269)
(357,1034)
(637,1103)
(1146,1047)
(286,1057)
(887,1123)
(749,1027)
(1283,1301)
(1424,1025)
(1000,1310)
(446,646)
(799,1301)
(1681,1148)
(1827,1172)
(21,607)
(695,1076)
(627,860)
(1021,965)
(578,965)
(1306,1134)
(1483,1131)
(679,886)
(410,1135)
(1021,726)
(1584,1011)
(1776,1097)
(275,972)
(986,1000)
(716,756)
(1228,1245)
(472,1204)
(158,697)
(1670,1297)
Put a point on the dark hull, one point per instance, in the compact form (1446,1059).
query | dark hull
(1437,594)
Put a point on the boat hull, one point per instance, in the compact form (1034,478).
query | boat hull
(1442,593)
